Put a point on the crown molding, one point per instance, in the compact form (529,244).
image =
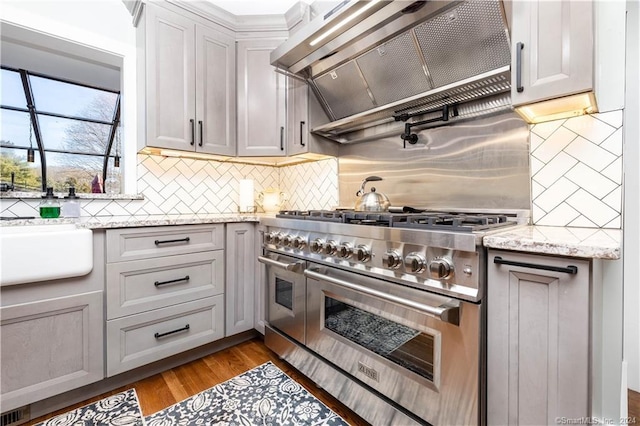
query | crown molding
(252,23)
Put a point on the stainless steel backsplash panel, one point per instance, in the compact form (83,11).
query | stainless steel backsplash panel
(481,164)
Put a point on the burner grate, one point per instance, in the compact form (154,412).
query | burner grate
(441,221)
(454,222)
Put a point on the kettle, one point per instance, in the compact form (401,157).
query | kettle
(371,201)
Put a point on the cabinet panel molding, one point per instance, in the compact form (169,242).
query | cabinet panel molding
(538,340)
(136,340)
(49,347)
(142,285)
(240,267)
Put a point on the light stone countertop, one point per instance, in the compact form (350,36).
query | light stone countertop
(561,241)
(104,222)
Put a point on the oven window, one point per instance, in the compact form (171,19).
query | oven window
(284,293)
(409,348)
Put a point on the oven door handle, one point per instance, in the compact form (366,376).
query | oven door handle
(282,265)
(447,312)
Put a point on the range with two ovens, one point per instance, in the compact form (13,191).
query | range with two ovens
(384,310)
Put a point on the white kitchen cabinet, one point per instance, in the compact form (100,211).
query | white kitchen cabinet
(164,292)
(552,49)
(261,100)
(190,83)
(297,117)
(538,347)
(240,266)
(51,335)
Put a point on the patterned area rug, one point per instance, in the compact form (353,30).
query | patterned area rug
(262,396)
(121,409)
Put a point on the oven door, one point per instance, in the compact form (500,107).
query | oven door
(286,292)
(419,349)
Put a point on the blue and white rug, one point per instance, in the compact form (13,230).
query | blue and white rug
(264,396)
(121,409)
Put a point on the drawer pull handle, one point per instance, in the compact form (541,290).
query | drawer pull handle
(177,280)
(181,240)
(159,335)
(568,270)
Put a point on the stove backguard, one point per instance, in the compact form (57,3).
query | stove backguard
(482,164)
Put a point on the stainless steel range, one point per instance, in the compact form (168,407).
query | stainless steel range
(384,310)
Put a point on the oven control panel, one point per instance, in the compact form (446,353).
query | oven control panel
(431,268)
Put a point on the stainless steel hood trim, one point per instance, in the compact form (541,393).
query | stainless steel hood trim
(389,128)
(356,121)
(425,66)
(298,46)
(358,92)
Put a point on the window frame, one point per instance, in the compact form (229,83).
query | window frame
(34,113)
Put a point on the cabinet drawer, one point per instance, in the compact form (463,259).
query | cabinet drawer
(142,285)
(49,347)
(137,340)
(145,243)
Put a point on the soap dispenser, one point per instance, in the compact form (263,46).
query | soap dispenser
(71,206)
(50,207)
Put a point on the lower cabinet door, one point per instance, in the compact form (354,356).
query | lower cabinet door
(50,347)
(136,340)
(538,338)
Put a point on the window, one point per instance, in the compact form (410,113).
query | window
(57,133)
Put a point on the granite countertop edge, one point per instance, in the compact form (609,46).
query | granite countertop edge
(593,243)
(110,222)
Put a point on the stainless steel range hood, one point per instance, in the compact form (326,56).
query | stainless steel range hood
(370,62)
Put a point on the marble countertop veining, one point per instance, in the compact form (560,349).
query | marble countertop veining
(591,243)
(104,222)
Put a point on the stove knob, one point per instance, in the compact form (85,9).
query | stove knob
(330,248)
(415,262)
(277,239)
(440,268)
(363,253)
(316,245)
(299,243)
(286,240)
(268,237)
(345,250)
(391,259)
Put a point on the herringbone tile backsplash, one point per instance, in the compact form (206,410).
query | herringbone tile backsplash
(576,180)
(173,185)
(576,171)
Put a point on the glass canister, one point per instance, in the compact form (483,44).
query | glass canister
(50,207)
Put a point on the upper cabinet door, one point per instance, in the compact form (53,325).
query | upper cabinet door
(261,101)
(297,117)
(552,49)
(215,92)
(170,79)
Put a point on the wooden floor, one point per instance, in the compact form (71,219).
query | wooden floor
(165,389)
(634,407)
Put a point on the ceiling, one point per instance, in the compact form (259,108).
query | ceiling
(253,7)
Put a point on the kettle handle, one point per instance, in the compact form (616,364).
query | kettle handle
(364,182)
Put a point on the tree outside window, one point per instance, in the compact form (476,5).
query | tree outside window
(73,130)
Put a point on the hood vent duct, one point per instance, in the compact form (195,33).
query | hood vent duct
(403,58)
